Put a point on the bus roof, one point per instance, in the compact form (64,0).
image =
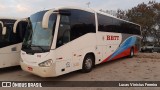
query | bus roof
(8,18)
(94,11)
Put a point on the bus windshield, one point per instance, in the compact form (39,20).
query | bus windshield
(38,39)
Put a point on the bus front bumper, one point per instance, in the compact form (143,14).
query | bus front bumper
(40,71)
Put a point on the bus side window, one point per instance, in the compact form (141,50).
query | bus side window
(21,29)
(64,31)
(0,29)
(1,33)
(82,23)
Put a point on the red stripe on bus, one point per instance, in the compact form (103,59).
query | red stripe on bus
(123,54)
(105,60)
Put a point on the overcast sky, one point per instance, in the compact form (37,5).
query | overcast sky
(24,8)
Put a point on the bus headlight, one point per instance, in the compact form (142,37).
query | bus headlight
(47,63)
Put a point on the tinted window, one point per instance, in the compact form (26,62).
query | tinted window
(37,17)
(77,24)
(0,30)
(109,24)
(63,31)
(81,22)
(6,40)
(21,29)
(116,25)
(105,23)
(12,38)
(17,37)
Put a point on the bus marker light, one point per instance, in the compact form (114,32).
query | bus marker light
(79,55)
(59,58)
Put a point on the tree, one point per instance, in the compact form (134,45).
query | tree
(148,16)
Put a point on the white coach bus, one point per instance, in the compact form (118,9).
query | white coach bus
(10,42)
(67,39)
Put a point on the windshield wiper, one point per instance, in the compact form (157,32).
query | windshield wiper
(40,48)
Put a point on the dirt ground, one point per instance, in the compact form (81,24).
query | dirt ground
(142,67)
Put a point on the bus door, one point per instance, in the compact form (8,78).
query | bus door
(63,48)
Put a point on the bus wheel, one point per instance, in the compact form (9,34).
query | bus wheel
(88,63)
(131,52)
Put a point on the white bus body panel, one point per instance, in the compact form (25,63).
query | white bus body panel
(10,55)
(66,58)
(73,53)
(69,57)
(107,47)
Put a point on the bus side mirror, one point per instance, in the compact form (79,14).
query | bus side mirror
(45,19)
(4,31)
(16,24)
(47,15)
(1,24)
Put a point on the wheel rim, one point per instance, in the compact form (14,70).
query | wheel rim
(88,63)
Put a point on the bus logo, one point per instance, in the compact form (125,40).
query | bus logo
(111,37)
(6,84)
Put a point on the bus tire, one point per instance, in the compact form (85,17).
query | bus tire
(131,52)
(88,63)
